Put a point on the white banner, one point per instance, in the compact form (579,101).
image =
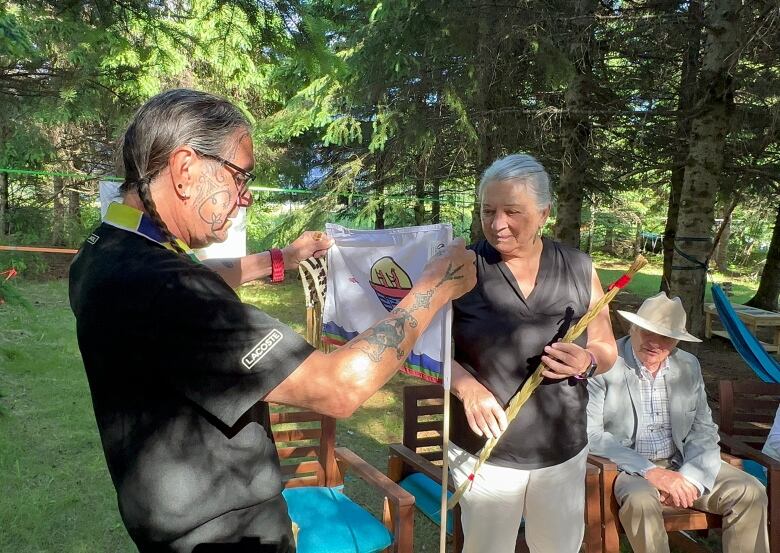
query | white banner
(369,272)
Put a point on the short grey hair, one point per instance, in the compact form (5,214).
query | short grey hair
(524,169)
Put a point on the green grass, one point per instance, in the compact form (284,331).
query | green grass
(58,495)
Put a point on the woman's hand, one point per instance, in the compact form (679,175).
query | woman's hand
(564,360)
(483,413)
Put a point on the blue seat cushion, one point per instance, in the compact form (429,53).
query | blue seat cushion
(751,467)
(427,497)
(330,522)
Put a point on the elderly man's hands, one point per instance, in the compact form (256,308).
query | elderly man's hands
(309,244)
(674,489)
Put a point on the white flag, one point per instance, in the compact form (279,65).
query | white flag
(369,272)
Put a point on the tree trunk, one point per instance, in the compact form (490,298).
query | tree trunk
(419,189)
(379,189)
(769,288)
(4,204)
(705,160)
(638,239)
(419,203)
(591,228)
(686,100)
(722,250)
(577,128)
(58,213)
(436,203)
(482,104)
(73,210)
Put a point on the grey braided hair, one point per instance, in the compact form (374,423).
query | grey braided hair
(524,169)
(175,118)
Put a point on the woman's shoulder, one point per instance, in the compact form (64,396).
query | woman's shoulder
(483,249)
(570,253)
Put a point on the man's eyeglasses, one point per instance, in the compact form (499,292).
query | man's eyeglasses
(241,177)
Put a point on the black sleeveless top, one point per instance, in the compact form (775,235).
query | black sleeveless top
(500,336)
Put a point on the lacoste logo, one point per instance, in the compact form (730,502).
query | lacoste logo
(93,238)
(261,348)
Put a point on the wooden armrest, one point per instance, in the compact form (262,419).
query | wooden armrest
(418,463)
(591,469)
(602,463)
(744,451)
(392,491)
(731,459)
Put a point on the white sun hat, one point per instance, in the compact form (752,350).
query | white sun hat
(663,316)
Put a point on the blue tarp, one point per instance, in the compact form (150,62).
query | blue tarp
(743,340)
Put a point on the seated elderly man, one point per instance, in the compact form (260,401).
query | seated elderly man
(649,415)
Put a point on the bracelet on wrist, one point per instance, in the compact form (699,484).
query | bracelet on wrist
(277,265)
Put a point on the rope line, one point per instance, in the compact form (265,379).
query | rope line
(697,265)
(455,196)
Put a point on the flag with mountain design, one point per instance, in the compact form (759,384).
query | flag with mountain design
(369,272)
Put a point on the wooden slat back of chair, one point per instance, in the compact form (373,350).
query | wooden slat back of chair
(747,410)
(305,441)
(423,420)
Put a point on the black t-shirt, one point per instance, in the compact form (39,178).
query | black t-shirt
(500,336)
(177,366)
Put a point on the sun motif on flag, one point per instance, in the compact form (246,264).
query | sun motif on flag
(390,282)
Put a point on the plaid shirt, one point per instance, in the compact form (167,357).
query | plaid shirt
(654,438)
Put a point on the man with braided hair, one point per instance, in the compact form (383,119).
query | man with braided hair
(179,369)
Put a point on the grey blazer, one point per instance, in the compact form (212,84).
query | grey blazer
(615,413)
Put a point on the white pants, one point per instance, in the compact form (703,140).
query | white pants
(551,500)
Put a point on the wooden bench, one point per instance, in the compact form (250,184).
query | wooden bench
(746,414)
(753,318)
(421,452)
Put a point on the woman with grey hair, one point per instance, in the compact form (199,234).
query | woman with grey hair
(180,370)
(529,291)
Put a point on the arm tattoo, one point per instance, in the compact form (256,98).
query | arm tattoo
(228,264)
(406,316)
(450,274)
(422,300)
(385,335)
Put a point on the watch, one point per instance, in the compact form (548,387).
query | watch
(591,370)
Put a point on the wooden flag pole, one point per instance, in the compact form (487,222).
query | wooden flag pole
(445,442)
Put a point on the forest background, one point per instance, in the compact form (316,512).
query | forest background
(657,120)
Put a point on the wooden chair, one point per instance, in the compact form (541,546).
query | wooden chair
(313,474)
(313,468)
(420,454)
(747,410)
(746,414)
(675,519)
